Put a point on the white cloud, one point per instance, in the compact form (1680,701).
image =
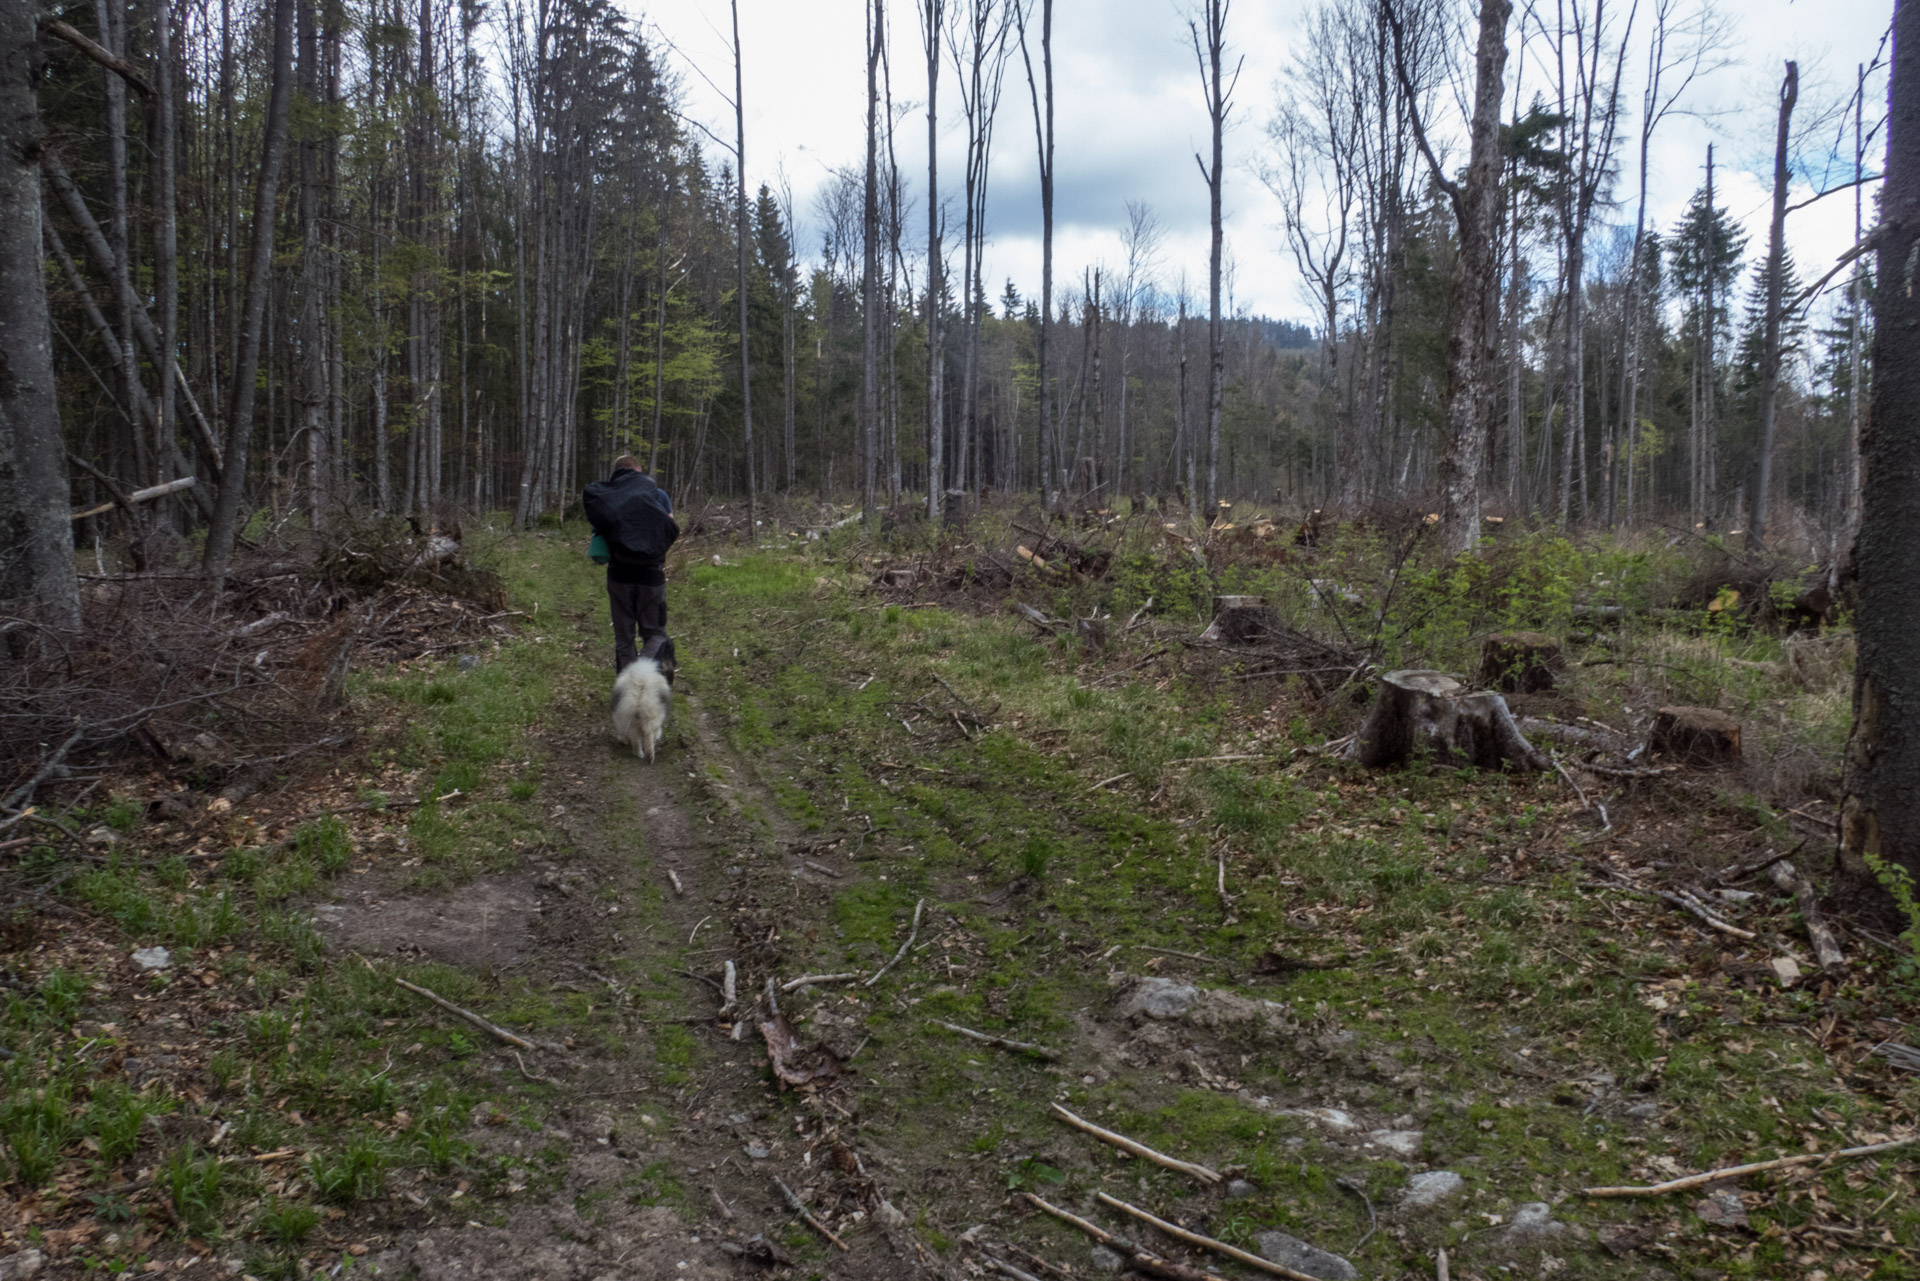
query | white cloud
(1129,117)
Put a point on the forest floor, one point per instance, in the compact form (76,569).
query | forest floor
(1394,1013)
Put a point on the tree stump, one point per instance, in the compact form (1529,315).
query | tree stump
(1695,736)
(1424,711)
(1519,662)
(1241,620)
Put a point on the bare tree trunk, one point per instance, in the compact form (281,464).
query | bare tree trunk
(273,148)
(1476,211)
(933,18)
(36,566)
(1857,291)
(1043,137)
(1209,36)
(313,373)
(1880,812)
(166,241)
(1770,351)
(870,277)
(746,359)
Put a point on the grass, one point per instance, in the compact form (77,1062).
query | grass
(1412,901)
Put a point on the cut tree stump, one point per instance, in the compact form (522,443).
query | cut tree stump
(1241,620)
(1695,736)
(1424,711)
(1519,662)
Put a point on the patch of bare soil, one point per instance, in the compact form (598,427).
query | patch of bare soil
(484,926)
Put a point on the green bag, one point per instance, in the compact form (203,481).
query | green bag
(598,551)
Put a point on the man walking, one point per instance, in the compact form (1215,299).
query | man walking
(632,519)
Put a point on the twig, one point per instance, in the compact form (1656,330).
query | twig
(1683,903)
(24,793)
(1825,946)
(793,985)
(1757,1167)
(1167,951)
(799,1207)
(1107,782)
(1624,771)
(821,868)
(1122,671)
(1007,1269)
(119,66)
(1179,1233)
(678,888)
(1203,760)
(1139,1258)
(985,1038)
(701,978)
(729,990)
(1440,1272)
(912,934)
(532,1076)
(696,929)
(468,1015)
(1141,1150)
(1373,1220)
(1606,824)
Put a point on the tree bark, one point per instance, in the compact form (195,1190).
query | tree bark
(1880,809)
(37,566)
(1770,351)
(746,359)
(933,14)
(273,147)
(1476,210)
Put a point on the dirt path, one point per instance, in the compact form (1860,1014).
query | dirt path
(656,1152)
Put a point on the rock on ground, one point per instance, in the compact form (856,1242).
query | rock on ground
(1533,1221)
(1431,1188)
(1292,1252)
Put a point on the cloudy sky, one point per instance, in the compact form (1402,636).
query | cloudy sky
(1129,117)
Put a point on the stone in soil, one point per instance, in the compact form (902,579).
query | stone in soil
(1404,1143)
(1431,1188)
(1292,1252)
(1240,1190)
(1533,1221)
(152,958)
(1105,1260)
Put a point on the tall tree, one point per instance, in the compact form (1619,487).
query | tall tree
(1043,140)
(1880,807)
(870,273)
(36,564)
(933,17)
(273,146)
(1476,209)
(746,250)
(1208,32)
(1776,274)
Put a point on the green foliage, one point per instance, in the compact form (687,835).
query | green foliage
(196,1184)
(351,1173)
(37,1124)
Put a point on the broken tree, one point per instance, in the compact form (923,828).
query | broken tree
(1418,711)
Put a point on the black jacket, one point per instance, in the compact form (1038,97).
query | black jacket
(629,511)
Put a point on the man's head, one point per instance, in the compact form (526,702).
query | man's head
(626,462)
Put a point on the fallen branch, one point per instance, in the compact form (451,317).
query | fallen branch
(118,65)
(793,985)
(468,1015)
(146,495)
(1007,1269)
(985,1038)
(1141,1150)
(1108,782)
(1179,1233)
(912,934)
(1686,903)
(799,1207)
(1825,946)
(1757,1167)
(1606,824)
(1138,1258)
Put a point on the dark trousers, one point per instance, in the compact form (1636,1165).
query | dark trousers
(641,607)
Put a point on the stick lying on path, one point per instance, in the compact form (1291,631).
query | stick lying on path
(1140,1260)
(1141,1150)
(1023,1047)
(468,1015)
(912,934)
(1194,1238)
(1825,946)
(1758,1167)
(799,1207)
(792,985)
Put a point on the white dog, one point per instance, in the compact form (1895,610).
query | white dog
(641,700)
